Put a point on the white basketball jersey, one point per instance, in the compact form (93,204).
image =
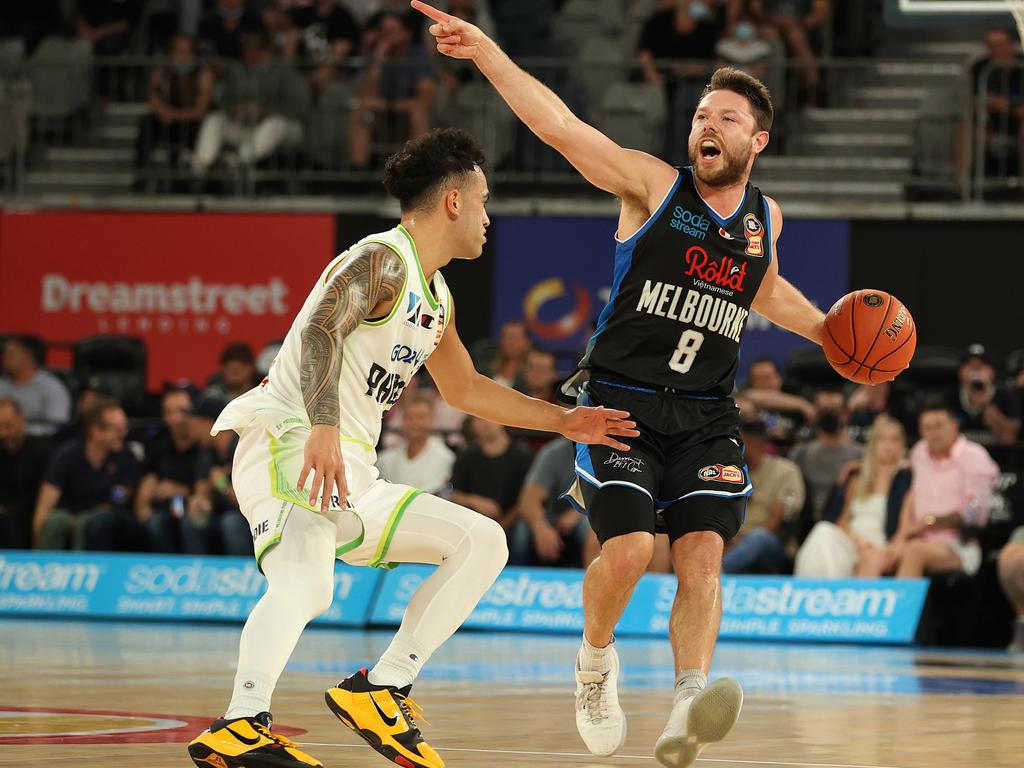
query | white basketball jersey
(379,357)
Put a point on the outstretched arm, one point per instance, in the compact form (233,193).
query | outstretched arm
(371,275)
(464,388)
(635,177)
(780,301)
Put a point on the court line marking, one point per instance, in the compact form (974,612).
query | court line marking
(525,753)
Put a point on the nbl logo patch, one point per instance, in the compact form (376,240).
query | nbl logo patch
(722,474)
(753,230)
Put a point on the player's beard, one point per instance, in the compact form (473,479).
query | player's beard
(729,172)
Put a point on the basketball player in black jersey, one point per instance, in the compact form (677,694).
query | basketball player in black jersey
(694,254)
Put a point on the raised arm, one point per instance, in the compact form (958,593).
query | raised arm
(464,388)
(635,177)
(370,277)
(779,300)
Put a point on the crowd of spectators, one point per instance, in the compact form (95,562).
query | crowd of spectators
(850,482)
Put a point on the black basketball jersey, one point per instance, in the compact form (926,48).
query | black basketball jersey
(682,291)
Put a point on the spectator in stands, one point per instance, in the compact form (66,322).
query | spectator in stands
(488,475)
(44,400)
(514,345)
(107,24)
(783,413)
(214,494)
(867,403)
(1011,576)
(23,461)
(455,73)
(987,414)
(873,496)
(421,460)
(260,108)
(951,490)
(84,501)
(1002,70)
(745,48)
(822,459)
(549,531)
(237,374)
(399,82)
(180,95)
(777,497)
(221,30)
(540,375)
(323,36)
(803,24)
(175,516)
(94,389)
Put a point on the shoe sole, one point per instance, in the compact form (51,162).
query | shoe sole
(713,713)
(371,738)
(206,757)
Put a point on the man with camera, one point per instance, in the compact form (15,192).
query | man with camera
(987,414)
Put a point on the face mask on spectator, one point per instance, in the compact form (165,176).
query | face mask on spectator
(828,422)
(230,14)
(699,11)
(745,31)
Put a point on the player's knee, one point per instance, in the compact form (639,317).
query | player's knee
(698,556)
(629,555)
(489,540)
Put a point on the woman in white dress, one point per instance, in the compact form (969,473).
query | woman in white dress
(854,545)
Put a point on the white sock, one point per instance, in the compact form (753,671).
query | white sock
(594,659)
(401,662)
(250,696)
(690,683)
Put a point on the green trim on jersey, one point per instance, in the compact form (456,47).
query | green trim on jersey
(427,288)
(401,295)
(389,529)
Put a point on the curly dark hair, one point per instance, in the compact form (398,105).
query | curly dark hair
(419,170)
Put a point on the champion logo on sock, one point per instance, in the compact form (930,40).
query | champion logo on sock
(414,657)
(249,684)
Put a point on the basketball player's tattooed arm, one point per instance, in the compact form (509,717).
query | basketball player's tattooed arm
(779,300)
(372,276)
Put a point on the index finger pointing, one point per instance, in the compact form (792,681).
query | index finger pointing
(431,11)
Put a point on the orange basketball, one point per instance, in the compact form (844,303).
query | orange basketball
(869,336)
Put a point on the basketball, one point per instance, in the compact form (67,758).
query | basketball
(869,336)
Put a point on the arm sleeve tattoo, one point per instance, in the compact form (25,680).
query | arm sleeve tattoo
(370,275)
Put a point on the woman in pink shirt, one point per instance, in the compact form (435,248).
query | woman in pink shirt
(952,486)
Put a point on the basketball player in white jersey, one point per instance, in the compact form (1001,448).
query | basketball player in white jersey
(376,314)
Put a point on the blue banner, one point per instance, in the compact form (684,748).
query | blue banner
(555,273)
(754,607)
(158,587)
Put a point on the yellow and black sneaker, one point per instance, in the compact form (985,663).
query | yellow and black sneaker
(246,742)
(386,717)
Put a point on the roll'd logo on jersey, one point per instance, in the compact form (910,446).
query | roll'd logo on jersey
(726,273)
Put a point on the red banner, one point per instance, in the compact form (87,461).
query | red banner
(188,284)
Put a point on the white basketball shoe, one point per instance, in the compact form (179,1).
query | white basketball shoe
(698,721)
(599,718)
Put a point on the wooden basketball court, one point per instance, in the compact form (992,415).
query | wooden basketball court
(102,694)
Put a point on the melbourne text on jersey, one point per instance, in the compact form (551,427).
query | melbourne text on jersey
(694,308)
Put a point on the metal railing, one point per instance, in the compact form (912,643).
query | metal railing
(84,126)
(996,131)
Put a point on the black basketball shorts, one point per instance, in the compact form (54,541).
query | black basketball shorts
(683,473)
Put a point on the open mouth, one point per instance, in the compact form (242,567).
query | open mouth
(709,150)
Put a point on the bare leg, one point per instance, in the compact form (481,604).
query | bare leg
(697,610)
(921,557)
(609,583)
(871,563)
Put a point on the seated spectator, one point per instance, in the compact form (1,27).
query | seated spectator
(214,494)
(488,475)
(221,30)
(855,543)
(85,499)
(951,490)
(745,48)
(323,37)
(988,414)
(23,461)
(1002,70)
(540,375)
(803,24)
(107,24)
(778,495)
(237,374)
(549,530)
(180,95)
(261,103)
(783,413)
(175,515)
(43,399)
(398,83)
(421,460)
(1011,577)
(822,459)
(513,346)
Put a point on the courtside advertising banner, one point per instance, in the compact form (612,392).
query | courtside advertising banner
(100,585)
(188,284)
